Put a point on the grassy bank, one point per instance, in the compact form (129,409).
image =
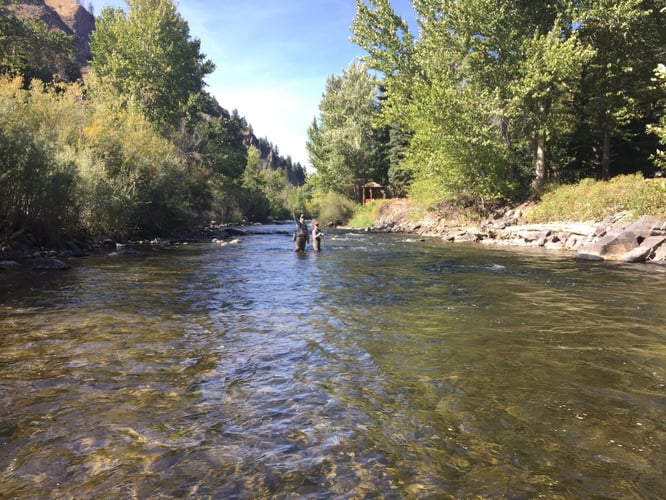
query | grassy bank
(589,200)
(592,200)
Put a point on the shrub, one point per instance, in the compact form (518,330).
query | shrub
(366,215)
(334,209)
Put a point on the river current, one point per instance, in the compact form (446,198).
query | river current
(384,366)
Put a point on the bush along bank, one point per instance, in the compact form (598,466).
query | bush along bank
(616,238)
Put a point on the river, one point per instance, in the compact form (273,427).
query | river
(382,367)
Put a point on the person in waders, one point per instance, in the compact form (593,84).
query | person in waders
(316,236)
(302,235)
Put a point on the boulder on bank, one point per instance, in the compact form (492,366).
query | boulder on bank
(641,241)
(612,239)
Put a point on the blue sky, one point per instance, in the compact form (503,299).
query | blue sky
(272,58)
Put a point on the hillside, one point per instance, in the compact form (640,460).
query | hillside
(65,15)
(72,18)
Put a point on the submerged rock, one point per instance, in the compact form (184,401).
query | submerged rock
(49,264)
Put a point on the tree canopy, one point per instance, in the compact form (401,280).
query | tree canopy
(149,56)
(494,98)
(137,147)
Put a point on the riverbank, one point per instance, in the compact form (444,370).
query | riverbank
(24,251)
(616,238)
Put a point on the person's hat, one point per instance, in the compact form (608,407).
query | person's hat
(301,216)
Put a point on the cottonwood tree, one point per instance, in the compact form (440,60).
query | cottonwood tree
(341,143)
(487,89)
(147,54)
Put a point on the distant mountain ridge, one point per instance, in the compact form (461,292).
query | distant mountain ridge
(74,19)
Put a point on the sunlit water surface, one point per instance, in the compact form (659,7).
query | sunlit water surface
(382,367)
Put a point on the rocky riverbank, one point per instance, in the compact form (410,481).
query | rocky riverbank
(616,238)
(24,251)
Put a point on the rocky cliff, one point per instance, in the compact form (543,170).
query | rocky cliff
(65,15)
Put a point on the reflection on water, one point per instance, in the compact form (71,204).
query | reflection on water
(380,367)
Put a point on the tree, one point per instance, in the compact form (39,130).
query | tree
(629,39)
(148,55)
(659,129)
(28,47)
(486,91)
(342,144)
(542,92)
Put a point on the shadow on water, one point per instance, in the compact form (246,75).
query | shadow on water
(382,366)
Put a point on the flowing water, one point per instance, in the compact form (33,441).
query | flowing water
(382,367)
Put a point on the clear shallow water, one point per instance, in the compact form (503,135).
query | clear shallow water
(383,367)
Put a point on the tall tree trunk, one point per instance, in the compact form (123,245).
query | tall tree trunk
(539,162)
(605,156)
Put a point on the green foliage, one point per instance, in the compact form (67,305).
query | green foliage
(30,48)
(342,143)
(255,203)
(384,34)
(659,130)
(334,208)
(276,189)
(37,177)
(147,54)
(136,177)
(364,216)
(494,94)
(140,150)
(299,200)
(629,39)
(594,200)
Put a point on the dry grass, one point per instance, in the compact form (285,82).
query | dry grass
(592,200)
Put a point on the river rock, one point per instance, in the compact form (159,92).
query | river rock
(635,243)
(647,247)
(614,238)
(6,264)
(612,246)
(659,255)
(49,264)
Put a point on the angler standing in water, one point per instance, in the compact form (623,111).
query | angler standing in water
(302,235)
(316,236)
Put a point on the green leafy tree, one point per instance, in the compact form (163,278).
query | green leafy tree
(255,203)
(659,129)
(28,47)
(342,143)
(629,39)
(542,92)
(485,92)
(276,189)
(148,55)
